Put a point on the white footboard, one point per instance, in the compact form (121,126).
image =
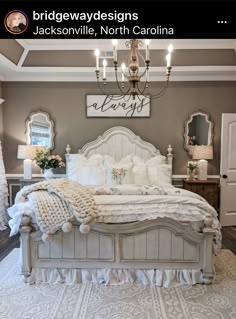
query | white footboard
(160,244)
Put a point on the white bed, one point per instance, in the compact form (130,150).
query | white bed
(159,251)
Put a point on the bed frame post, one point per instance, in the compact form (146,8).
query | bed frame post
(169,155)
(209,269)
(25,244)
(67,149)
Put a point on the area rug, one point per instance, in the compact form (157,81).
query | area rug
(44,301)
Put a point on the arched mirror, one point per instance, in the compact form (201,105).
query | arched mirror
(40,129)
(198,130)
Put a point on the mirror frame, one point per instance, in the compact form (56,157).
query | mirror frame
(189,148)
(29,121)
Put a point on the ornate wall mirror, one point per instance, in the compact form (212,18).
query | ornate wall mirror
(40,129)
(198,130)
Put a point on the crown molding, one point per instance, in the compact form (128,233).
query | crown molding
(86,74)
(9,71)
(105,44)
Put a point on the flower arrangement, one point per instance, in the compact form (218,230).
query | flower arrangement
(45,161)
(118,174)
(191,166)
(191,169)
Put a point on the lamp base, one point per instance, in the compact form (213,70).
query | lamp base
(27,169)
(202,170)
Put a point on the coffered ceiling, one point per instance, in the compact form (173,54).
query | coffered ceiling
(74,60)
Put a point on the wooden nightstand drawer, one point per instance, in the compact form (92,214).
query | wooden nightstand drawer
(208,189)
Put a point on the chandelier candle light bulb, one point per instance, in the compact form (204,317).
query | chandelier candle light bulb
(114,42)
(97,53)
(104,69)
(123,67)
(168,59)
(147,42)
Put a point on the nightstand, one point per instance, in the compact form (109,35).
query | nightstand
(208,189)
(26,182)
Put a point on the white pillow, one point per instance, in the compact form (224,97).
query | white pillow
(153,161)
(160,175)
(92,175)
(110,159)
(85,170)
(140,176)
(127,179)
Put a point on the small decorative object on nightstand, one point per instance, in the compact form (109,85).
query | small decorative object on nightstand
(26,182)
(209,189)
(191,170)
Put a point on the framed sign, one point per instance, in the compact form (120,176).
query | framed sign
(117,106)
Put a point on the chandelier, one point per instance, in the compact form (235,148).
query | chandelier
(129,75)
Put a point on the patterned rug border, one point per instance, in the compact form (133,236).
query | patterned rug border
(131,301)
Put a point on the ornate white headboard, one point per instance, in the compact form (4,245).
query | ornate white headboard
(120,141)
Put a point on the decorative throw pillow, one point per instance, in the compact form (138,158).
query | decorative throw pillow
(119,173)
(124,160)
(140,176)
(153,161)
(160,175)
(92,175)
(86,170)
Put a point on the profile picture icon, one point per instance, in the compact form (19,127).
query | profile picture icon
(16,22)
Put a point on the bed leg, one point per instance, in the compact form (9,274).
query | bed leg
(25,246)
(209,269)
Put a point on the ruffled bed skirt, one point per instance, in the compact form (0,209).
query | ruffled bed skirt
(160,278)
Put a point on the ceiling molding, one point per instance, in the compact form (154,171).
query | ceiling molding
(86,74)
(8,63)
(9,71)
(105,44)
(22,58)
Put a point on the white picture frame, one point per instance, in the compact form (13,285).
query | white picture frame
(117,106)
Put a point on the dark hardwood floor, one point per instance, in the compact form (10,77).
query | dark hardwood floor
(229,238)
(8,243)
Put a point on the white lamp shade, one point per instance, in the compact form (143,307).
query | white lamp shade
(202,152)
(29,151)
(25,152)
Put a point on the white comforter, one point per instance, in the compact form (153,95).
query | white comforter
(127,203)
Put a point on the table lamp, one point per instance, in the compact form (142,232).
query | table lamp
(202,153)
(27,153)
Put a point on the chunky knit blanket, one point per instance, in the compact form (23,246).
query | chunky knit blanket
(57,202)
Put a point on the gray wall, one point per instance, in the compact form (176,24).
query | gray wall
(66,104)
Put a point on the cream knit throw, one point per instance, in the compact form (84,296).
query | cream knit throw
(56,202)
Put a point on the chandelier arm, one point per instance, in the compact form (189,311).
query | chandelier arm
(101,89)
(159,94)
(163,90)
(120,88)
(145,66)
(144,88)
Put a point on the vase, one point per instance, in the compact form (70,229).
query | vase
(192,175)
(48,173)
